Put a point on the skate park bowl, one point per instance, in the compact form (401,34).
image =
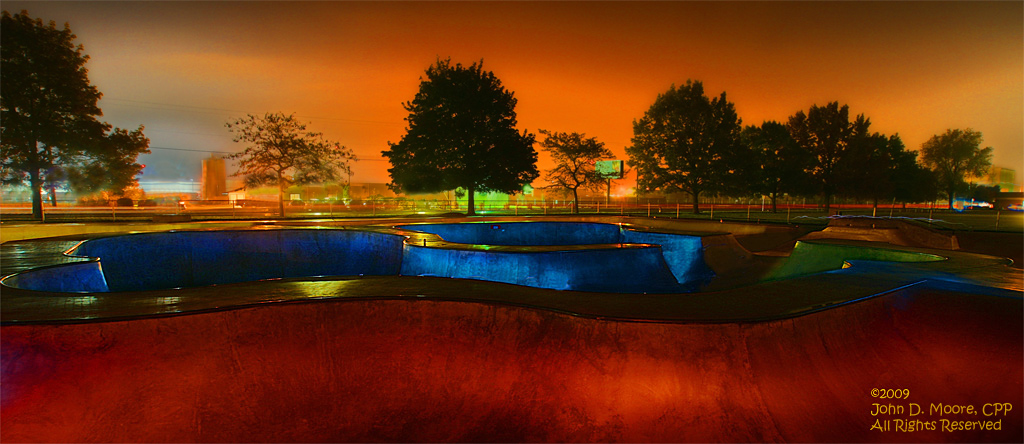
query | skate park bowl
(579,256)
(557,255)
(562,256)
(370,333)
(177,259)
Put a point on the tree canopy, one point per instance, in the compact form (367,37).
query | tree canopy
(575,156)
(881,168)
(954,156)
(50,131)
(826,133)
(282,152)
(776,163)
(462,133)
(113,166)
(686,142)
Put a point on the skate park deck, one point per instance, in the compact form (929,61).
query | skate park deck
(411,358)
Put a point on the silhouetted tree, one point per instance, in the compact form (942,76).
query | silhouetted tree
(686,142)
(113,167)
(776,164)
(281,151)
(954,156)
(575,157)
(462,134)
(873,165)
(912,182)
(826,132)
(48,112)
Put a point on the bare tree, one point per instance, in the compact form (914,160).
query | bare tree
(575,156)
(281,151)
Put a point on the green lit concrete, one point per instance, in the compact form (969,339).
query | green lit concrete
(816,257)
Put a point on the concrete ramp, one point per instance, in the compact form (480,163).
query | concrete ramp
(892,231)
(724,254)
(424,371)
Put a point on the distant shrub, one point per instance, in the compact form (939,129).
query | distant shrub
(92,201)
(148,203)
(125,202)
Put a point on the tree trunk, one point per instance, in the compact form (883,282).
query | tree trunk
(575,202)
(828,203)
(951,192)
(471,211)
(280,194)
(37,196)
(53,196)
(35,182)
(696,202)
(775,198)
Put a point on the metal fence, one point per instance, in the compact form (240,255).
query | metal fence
(755,212)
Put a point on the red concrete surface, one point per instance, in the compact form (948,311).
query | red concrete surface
(412,371)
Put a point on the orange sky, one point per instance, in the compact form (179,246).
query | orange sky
(183,69)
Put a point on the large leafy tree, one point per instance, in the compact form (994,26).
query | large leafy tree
(912,181)
(50,131)
(873,164)
(954,156)
(113,166)
(687,142)
(776,163)
(826,132)
(462,134)
(280,151)
(575,157)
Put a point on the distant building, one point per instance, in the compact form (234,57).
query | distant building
(1005,200)
(162,188)
(214,181)
(1004,178)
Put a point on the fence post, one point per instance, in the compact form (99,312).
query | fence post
(648,208)
(997,218)
(712,211)
(677,210)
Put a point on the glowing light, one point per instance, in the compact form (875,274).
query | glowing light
(85,300)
